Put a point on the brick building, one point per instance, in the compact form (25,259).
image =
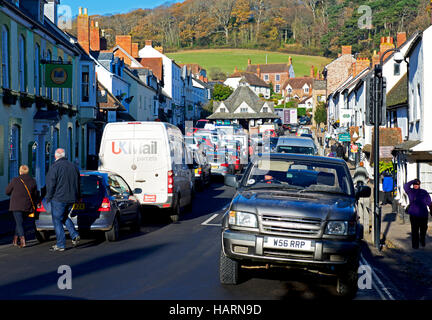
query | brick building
(275,73)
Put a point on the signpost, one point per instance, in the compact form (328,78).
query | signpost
(344,137)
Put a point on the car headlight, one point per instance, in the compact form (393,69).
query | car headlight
(341,228)
(243,219)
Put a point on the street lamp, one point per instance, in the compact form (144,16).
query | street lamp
(378,118)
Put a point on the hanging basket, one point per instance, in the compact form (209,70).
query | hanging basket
(9,97)
(26,100)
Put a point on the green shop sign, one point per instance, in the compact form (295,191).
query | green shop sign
(58,75)
(344,137)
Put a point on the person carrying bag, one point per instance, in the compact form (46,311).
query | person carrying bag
(23,193)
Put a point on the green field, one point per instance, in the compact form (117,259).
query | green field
(227,59)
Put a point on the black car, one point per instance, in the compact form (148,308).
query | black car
(202,169)
(293,128)
(107,204)
(294,210)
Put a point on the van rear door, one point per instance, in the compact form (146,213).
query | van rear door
(151,163)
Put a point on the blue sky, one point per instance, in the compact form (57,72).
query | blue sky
(111,6)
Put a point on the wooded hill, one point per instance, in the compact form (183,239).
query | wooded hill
(316,27)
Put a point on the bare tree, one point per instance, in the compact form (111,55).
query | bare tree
(222,11)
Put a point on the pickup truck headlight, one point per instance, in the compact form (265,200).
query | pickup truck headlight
(243,219)
(341,228)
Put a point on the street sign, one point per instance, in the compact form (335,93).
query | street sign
(344,137)
(58,75)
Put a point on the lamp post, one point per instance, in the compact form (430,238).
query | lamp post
(378,119)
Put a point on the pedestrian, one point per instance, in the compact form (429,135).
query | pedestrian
(387,185)
(419,201)
(361,176)
(340,151)
(23,196)
(63,190)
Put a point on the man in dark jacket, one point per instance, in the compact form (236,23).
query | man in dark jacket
(63,190)
(419,201)
(340,151)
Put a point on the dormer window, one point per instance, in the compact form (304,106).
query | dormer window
(266,77)
(244,110)
(306,89)
(223,110)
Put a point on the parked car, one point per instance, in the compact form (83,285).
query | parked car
(107,204)
(302,145)
(303,130)
(305,120)
(202,169)
(151,157)
(297,211)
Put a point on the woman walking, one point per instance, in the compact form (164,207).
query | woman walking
(23,193)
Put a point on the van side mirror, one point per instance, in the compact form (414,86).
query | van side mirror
(231,181)
(137,191)
(363,192)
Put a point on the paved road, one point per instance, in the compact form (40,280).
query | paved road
(176,261)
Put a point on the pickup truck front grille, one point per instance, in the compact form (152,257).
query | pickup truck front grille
(290,226)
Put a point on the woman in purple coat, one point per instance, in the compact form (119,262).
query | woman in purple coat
(419,201)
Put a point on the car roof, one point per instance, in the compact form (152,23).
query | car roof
(295,141)
(296,156)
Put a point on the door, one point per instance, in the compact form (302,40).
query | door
(125,200)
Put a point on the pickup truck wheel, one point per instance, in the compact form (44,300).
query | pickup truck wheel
(113,234)
(229,270)
(347,282)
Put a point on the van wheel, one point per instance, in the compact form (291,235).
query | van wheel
(42,236)
(229,270)
(113,234)
(175,211)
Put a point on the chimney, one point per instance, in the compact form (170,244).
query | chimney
(249,62)
(95,35)
(375,59)
(360,65)
(83,28)
(346,50)
(235,69)
(259,71)
(135,50)
(401,38)
(386,43)
(149,43)
(125,42)
(312,72)
(290,61)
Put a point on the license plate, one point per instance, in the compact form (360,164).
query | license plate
(215,167)
(149,198)
(289,244)
(78,206)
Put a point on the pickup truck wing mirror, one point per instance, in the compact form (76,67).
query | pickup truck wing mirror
(363,192)
(231,181)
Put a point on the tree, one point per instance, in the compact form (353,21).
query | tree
(222,11)
(221,92)
(320,115)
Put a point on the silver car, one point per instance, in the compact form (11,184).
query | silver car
(299,145)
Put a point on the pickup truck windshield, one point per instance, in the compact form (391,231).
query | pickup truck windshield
(301,175)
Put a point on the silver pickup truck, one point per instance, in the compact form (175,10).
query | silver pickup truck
(294,210)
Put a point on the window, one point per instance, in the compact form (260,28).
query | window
(244,110)
(289,90)
(277,88)
(265,109)
(223,110)
(37,70)
(5,57)
(55,142)
(278,77)
(396,69)
(14,144)
(266,77)
(85,83)
(69,144)
(306,89)
(69,90)
(22,64)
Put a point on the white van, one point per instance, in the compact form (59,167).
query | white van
(151,157)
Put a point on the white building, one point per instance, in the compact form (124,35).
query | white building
(259,86)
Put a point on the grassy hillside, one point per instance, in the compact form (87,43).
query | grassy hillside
(227,59)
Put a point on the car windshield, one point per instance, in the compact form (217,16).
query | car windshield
(295,149)
(303,176)
(90,185)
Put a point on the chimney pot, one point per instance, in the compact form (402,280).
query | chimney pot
(80,11)
(401,38)
(149,43)
(85,11)
(249,62)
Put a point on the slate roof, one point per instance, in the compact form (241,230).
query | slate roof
(250,78)
(269,68)
(243,94)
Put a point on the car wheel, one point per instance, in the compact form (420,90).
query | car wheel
(113,234)
(43,236)
(347,282)
(175,211)
(229,270)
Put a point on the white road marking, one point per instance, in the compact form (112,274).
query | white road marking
(381,287)
(206,223)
